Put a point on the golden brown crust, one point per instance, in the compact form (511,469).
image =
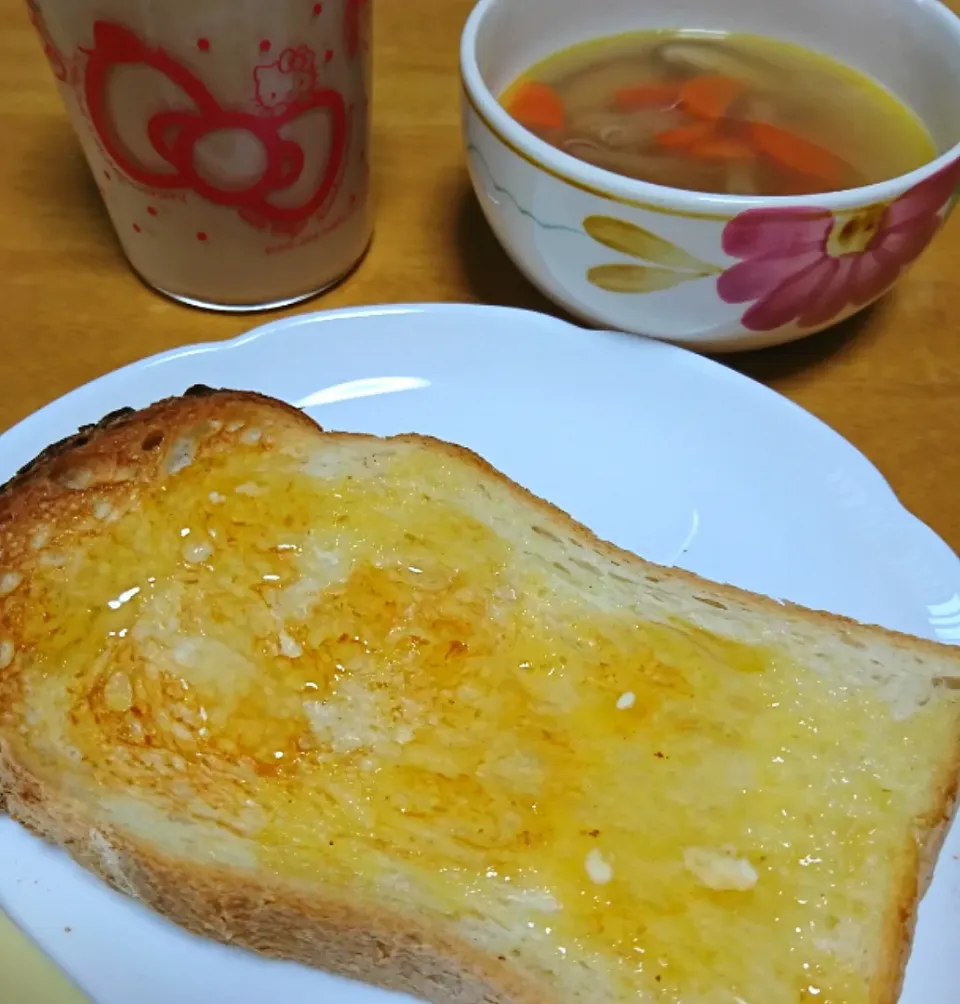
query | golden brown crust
(919,862)
(114,458)
(762,604)
(119,456)
(116,447)
(268,915)
(124,435)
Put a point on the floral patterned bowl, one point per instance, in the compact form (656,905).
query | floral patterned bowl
(714,272)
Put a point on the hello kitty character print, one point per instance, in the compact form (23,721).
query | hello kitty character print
(290,79)
(283,90)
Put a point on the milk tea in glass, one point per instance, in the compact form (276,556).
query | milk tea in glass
(230,139)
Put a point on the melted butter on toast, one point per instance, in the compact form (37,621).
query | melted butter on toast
(361,677)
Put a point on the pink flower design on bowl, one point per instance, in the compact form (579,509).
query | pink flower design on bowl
(807,266)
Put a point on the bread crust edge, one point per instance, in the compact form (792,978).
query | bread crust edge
(270,917)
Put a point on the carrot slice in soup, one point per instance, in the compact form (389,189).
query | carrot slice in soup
(709,96)
(538,106)
(646,96)
(797,153)
(684,137)
(722,148)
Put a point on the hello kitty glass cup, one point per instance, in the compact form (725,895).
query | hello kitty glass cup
(230,141)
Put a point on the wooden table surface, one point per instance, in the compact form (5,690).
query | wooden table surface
(888,380)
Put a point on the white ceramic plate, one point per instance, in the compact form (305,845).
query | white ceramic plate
(662,451)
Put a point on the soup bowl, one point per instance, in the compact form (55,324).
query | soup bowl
(713,272)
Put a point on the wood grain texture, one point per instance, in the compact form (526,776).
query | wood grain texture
(888,380)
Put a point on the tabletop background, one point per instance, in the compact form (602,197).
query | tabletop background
(888,380)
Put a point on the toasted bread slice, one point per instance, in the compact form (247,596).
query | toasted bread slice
(367,704)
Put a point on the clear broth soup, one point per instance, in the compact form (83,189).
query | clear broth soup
(737,114)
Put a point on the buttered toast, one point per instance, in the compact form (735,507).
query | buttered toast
(367,704)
